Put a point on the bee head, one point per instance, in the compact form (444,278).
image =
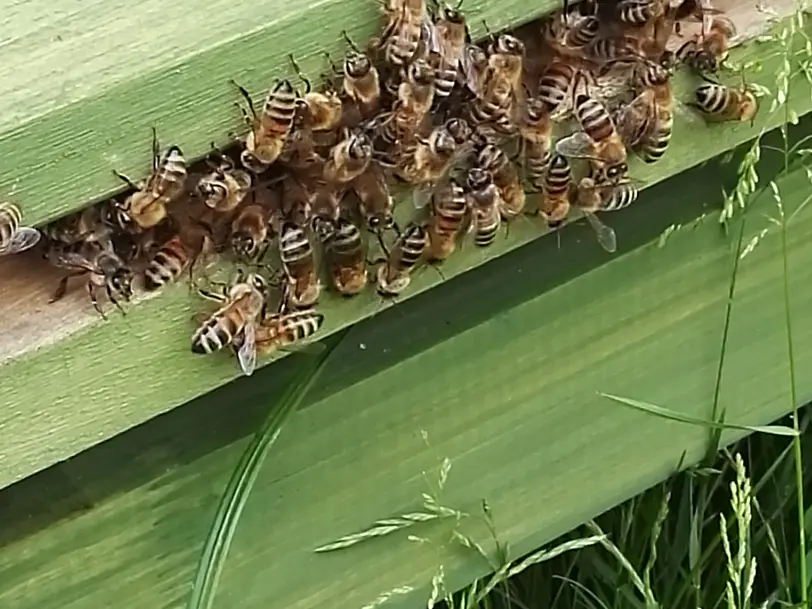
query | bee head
(442,142)
(478,178)
(121,282)
(211,191)
(453,15)
(615,172)
(244,245)
(490,157)
(509,45)
(459,129)
(251,162)
(360,147)
(357,65)
(421,73)
(323,228)
(258,282)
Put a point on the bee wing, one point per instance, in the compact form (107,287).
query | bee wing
(471,75)
(636,120)
(25,238)
(428,33)
(421,195)
(579,144)
(247,353)
(606,234)
(72,260)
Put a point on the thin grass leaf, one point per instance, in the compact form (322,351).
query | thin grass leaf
(512,569)
(387,596)
(242,481)
(666,413)
(381,528)
(586,592)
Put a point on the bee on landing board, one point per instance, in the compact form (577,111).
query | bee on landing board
(598,140)
(147,206)
(556,186)
(486,204)
(718,103)
(708,51)
(100,265)
(243,306)
(180,253)
(375,200)
(15,238)
(394,272)
(91,224)
(493,159)
(345,255)
(286,331)
(408,24)
(361,83)
(226,186)
(448,219)
(448,61)
(535,133)
(595,195)
(269,130)
(250,233)
(348,159)
(299,265)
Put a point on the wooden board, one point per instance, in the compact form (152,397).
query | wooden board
(500,368)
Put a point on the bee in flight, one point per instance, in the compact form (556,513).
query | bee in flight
(146,207)
(235,322)
(102,267)
(15,238)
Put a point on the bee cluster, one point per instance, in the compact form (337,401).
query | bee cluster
(469,128)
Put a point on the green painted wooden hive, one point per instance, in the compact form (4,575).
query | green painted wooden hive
(116,443)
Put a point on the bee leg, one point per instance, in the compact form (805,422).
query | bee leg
(301,76)
(111,295)
(62,288)
(125,179)
(156,149)
(91,291)
(219,296)
(247,98)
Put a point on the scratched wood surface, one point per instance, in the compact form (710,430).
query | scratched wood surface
(499,367)
(96,369)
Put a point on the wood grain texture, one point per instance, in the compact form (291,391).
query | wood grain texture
(88,81)
(96,369)
(546,452)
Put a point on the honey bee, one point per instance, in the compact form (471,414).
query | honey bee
(225,187)
(449,215)
(486,205)
(102,267)
(250,232)
(598,139)
(181,252)
(556,186)
(243,306)
(594,195)
(639,12)
(348,159)
(500,85)
(721,103)
(707,52)
(407,23)
(535,131)
(278,331)
(87,225)
(555,84)
(492,159)
(146,207)
(346,258)
(646,123)
(375,201)
(394,273)
(426,161)
(13,237)
(414,99)
(451,33)
(299,265)
(361,83)
(269,131)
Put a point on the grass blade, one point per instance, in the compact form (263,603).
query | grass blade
(666,413)
(242,480)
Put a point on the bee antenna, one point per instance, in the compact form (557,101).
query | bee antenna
(488,31)
(349,41)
